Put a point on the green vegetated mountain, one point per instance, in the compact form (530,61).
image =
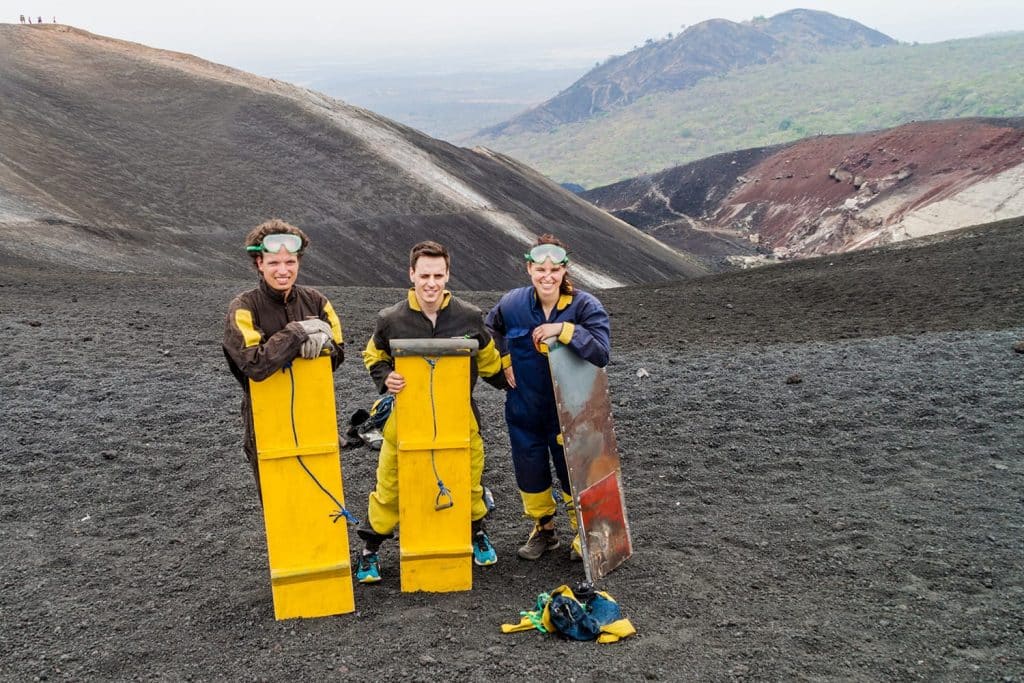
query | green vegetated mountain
(808,93)
(708,49)
(119,157)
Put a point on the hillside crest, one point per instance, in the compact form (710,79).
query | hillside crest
(117,156)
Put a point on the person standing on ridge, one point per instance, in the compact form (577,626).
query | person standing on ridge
(519,323)
(278,321)
(428,311)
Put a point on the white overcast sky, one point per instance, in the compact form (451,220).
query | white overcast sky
(458,34)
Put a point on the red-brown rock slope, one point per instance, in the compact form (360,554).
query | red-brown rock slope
(832,193)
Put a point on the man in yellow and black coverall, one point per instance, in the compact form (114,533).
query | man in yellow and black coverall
(428,311)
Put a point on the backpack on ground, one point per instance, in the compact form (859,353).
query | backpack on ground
(585,614)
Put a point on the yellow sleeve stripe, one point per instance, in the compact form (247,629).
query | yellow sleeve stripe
(372,355)
(332,317)
(245,325)
(488,360)
(506,361)
(566,336)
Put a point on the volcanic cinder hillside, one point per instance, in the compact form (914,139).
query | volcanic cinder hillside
(823,465)
(831,193)
(115,156)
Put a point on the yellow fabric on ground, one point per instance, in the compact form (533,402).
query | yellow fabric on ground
(540,619)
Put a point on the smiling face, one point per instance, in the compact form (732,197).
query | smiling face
(279,270)
(429,277)
(546,278)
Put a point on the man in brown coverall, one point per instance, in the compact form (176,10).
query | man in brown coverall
(267,327)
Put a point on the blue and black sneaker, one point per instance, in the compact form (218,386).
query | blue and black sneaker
(483,552)
(368,569)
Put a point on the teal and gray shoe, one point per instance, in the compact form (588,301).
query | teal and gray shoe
(368,569)
(484,554)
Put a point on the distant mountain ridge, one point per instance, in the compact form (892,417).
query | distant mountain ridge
(119,157)
(710,48)
(840,91)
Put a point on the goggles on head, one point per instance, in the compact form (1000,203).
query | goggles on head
(273,243)
(543,252)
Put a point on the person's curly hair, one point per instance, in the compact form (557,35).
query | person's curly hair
(275,226)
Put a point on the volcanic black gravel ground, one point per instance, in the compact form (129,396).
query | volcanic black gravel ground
(824,473)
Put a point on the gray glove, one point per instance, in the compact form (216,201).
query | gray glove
(319,336)
(315,325)
(312,347)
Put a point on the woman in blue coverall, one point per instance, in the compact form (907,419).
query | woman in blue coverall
(550,307)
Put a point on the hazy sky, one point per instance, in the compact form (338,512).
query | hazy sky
(460,34)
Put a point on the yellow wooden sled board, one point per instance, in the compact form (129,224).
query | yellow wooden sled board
(310,572)
(433,413)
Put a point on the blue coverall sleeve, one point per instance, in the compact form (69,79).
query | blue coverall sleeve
(591,335)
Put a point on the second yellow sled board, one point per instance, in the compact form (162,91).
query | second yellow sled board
(297,444)
(433,413)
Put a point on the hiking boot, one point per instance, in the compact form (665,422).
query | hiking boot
(540,541)
(576,552)
(484,554)
(368,570)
